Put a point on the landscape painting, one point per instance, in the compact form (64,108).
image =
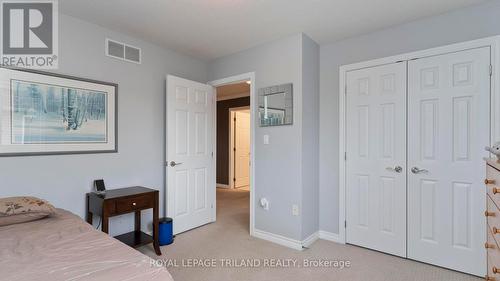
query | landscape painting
(43,114)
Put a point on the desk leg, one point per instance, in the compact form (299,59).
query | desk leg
(89,214)
(156,242)
(105,222)
(137,221)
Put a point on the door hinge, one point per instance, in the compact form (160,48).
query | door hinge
(234,179)
(491,70)
(345,156)
(212,154)
(234,148)
(345,224)
(345,89)
(234,119)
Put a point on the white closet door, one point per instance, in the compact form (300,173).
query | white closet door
(376,158)
(448,127)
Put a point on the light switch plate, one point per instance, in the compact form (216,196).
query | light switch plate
(266,139)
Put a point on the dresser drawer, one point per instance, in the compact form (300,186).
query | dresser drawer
(493,218)
(134,203)
(491,276)
(493,184)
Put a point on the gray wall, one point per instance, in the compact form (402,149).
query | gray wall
(64,180)
(287,168)
(456,26)
(277,165)
(310,137)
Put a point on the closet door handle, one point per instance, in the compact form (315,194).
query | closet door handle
(417,170)
(173,163)
(397,169)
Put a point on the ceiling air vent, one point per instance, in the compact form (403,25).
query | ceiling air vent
(123,51)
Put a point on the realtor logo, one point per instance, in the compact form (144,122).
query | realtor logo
(29,34)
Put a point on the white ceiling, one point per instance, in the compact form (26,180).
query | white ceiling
(208,29)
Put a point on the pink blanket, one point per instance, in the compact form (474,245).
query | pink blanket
(64,247)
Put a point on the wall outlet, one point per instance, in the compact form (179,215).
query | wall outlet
(264,203)
(295,209)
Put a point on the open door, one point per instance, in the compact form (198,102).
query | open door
(190,165)
(241,148)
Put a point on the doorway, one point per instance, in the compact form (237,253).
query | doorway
(233,152)
(191,152)
(235,95)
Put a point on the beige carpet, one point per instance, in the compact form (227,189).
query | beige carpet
(229,238)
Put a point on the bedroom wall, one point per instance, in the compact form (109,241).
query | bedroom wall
(310,137)
(277,165)
(64,180)
(287,168)
(460,25)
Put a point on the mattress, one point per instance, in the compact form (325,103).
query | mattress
(64,247)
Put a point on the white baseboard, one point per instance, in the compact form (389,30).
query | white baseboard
(285,241)
(278,239)
(330,236)
(220,185)
(311,239)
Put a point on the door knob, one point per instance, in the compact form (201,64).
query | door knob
(397,169)
(417,170)
(173,164)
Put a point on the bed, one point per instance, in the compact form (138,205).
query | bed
(64,247)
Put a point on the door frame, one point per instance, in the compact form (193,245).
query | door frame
(492,42)
(231,143)
(250,76)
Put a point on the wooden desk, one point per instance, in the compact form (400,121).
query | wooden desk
(122,201)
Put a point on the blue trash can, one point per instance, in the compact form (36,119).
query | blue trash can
(166,231)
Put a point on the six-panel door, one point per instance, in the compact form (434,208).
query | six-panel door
(376,158)
(448,128)
(242,149)
(190,165)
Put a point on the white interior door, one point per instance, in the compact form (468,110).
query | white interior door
(241,148)
(190,162)
(449,123)
(376,158)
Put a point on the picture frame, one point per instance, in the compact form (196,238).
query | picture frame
(276,105)
(44,113)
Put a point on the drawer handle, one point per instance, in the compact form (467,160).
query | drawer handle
(496,230)
(487,278)
(495,270)
(488,181)
(134,204)
(489,214)
(496,190)
(489,246)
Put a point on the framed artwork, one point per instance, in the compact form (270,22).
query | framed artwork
(43,113)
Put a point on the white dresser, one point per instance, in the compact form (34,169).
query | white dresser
(492,214)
